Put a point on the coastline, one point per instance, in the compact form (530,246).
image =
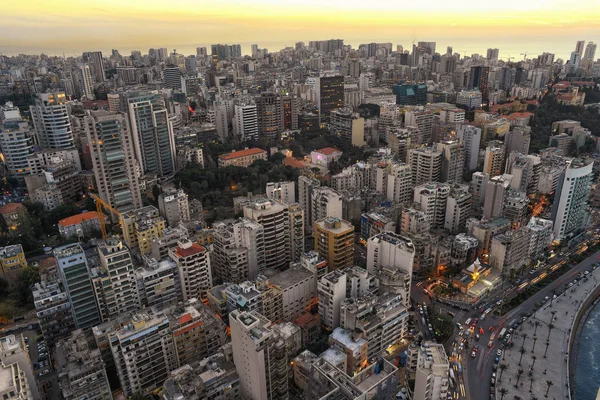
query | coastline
(579,322)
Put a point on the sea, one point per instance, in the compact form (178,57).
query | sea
(587,372)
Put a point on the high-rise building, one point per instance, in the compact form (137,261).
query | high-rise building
(193,263)
(74,274)
(495,193)
(492,54)
(284,192)
(306,186)
(152,133)
(458,208)
(572,193)
(331,290)
(479,80)
(470,137)
(517,139)
(493,163)
(334,240)
(410,94)
(81,371)
(510,250)
(238,250)
(96,62)
(245,122)
(19,380)
(590,51)
(432,371)
(432,199)
(174,207)
(270,115)
(422,119)
(16,142)
(143,351)
(141,226)
(325,202)
(453,161)
(296,216)
(114,283)
(53,310)
(525,170)
(399,184)
(580,47)
(425,164)
(51,120)
(330,95)
(278,234)
(113,157)
(172,77)
(260,357)
(86,84)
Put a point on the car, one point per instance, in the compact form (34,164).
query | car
(468,321)
(497,360)
(461,346)
(586,273)
(499,353)
(499,302)
(555,296)
(41,374)
(492,381)
(494,375)
(546,298)
(501,347)
(473,354)
(30,327)
(459,326)
(26,339)
(495,368)
(570,284)
(492,328)
(477,336)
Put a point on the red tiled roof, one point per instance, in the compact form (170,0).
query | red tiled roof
(241,153)
(293,162)
(185,318)
(328,151)
(195,248)
(78,219)
(11,208)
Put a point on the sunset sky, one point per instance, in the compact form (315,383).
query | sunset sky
(514,26)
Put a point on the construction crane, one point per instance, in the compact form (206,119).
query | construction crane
(524,55)
(102,204)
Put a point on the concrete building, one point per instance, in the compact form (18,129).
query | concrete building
(173,206)
(113,157)
(334,240)
(193,264)
(399,184)
(495,191)
(170,237)
(421,118)
(516,208)
(510,250)
(81,370)
(484,231)
(325,202)
(572,193)
(284,192)
(453,160)
(146,333)
(298,288)
(470,137)
(85,82)
(493,164)
(353,346)
(414,222)
(242,158)
(51,120)
(373,223)
(541,236)
(16,142)
(172,77)
(238,250)
(306,186)
(12,260)
(432,198)
(80,225)
(381,321)
(158,283)
(331,290)
(197,331)
(329,95)
(260,357)
(17,374)
(53,310)
(278,230)
(525,170)
(74,274)
(152,133)
(325,156)
(458,208)
(464,249)
(141,226)
(425,164)
(114,282)
(245,122)
(518,139)
(270,115)
(432,373)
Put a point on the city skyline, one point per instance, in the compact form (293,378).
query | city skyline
(70,27)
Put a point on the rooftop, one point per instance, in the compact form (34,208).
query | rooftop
(242,153)
(11,208)
(78,219)
(327,151)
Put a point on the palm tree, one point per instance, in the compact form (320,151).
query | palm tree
(533,363)
(536,323)
(549,383)
(502,368)
(534,341)
(503,392)
(519,373)
(522,351)
(524,336)
(550,327)
(531,379)
(518,397)
(546,351)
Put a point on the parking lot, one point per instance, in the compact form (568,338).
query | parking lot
(38,353)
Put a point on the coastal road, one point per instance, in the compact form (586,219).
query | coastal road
(478,371)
